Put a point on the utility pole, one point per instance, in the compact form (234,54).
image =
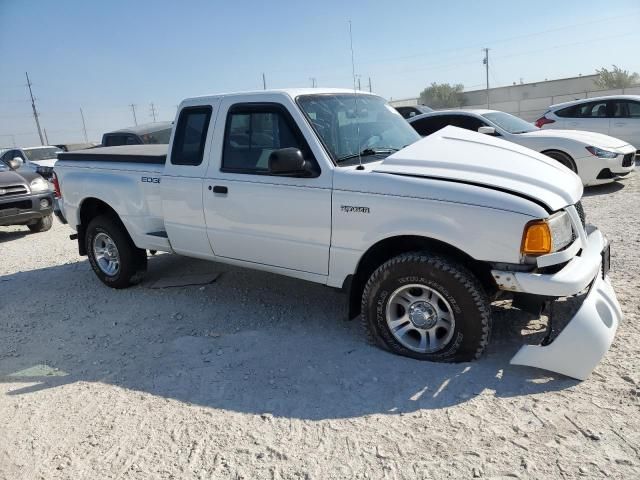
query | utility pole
(314,83)
(84,127)
(370,91)
(46,139)
(486,65)
(264,82)
(359,87)
(33,106)
(133,109)
(153,112)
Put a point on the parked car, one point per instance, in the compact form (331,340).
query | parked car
(409,112)
(71,147)
(150,133)
(596,158)
(23,161)
(618,116)
(44,158)
(25,198)
(333,187)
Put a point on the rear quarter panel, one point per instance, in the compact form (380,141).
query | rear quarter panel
(132,190)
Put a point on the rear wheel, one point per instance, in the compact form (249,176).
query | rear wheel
(564,159)
(41,225)
(427,307)
(115,259)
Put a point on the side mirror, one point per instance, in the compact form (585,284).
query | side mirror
(15,163)
(487,130)
(289,162)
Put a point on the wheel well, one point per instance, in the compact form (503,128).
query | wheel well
(569,157)
(90,209)
(390,247)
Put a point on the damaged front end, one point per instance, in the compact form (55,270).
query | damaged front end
(578,348)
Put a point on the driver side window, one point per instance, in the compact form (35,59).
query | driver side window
(253,132)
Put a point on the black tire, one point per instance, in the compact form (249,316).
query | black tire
(132,260)
(42,225)
(453,282)
(563,158)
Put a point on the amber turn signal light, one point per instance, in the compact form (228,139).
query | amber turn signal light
(536,239)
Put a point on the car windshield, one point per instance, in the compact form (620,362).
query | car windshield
(350,124)
(3,166)
(160,136)
(35,154)
(510,123)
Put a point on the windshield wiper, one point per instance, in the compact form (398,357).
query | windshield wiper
(367,152)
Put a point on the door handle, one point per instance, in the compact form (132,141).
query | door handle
(220,189)
(619,124)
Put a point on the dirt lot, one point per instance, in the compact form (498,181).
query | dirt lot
(258,376)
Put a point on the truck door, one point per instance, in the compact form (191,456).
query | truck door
(254,216)
(183,179)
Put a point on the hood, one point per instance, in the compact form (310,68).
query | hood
(11,177)
(588,138)
(48,162)
(458,155)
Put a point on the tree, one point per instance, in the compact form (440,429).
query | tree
(441,95)
(616,78)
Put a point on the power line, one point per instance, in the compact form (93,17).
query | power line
(84,127)
(33,106)
(153,112)
(486,65)
(133,109)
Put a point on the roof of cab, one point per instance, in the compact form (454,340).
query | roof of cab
(290,92)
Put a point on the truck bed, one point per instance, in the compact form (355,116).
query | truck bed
(147,154)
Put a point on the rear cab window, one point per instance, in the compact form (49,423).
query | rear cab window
(190,136)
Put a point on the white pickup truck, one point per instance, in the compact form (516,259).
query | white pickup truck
(335,187)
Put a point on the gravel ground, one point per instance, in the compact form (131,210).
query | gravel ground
(260,376)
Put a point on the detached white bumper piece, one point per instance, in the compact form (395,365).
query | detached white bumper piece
(580,346)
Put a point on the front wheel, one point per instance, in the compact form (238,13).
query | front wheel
(41,225)
(115,259)
(564,159)
(427,307)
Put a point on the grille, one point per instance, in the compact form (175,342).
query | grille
(13,190)
(627,160)
(581,214)
(9,208)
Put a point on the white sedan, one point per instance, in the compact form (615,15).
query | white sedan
(595,157)
(616,115)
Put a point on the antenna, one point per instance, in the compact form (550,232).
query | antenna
(355,98)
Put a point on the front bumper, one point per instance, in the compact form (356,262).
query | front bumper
(580,346)
(23,209)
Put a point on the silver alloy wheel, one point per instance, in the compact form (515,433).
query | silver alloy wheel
(420,318)
(106,254)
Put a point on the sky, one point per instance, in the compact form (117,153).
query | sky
(104,56)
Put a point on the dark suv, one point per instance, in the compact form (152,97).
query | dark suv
(25,198)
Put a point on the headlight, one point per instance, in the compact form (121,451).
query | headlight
(39,185)
(545,236)
(600,153)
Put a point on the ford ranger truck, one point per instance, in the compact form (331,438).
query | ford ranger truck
(335,187)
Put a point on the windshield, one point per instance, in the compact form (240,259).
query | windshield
(349,124)
(160,136)
(510,123)
(34,154)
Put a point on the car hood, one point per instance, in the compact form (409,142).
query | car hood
(587,138)
(458,155)
(47,162)
(10,177)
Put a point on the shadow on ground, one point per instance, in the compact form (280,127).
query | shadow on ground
(250,342)
(604,189)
